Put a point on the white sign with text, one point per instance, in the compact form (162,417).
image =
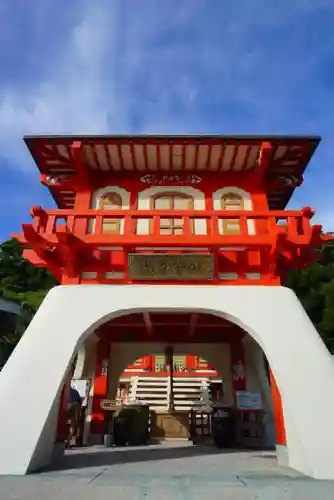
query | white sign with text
(247,400)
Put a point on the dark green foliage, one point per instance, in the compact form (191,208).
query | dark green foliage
(22,282)
(315,288)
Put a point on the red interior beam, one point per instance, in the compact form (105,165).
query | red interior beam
(148,324)
(82,173)
(192,324)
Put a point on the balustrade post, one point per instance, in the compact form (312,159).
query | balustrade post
(243,225)
(214,226)
(272,226)
(70,223)
(307,213)
(40,218)
(156,225)
(187,226)
(306,225)
(51,224)
(292,226)
(129,224)
(98,229)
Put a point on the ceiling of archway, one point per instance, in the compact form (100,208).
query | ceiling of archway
(173,327)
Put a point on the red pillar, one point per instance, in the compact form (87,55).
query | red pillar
(146,362)
(190,362)
(100,388)
(278,411)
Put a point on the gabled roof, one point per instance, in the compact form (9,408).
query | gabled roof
(178,154)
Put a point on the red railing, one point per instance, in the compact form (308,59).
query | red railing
(253,228)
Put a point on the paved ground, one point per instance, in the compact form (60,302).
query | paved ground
(173,471)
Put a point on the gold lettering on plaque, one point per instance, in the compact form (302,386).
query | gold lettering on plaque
(194,267)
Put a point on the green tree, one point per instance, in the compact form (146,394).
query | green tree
(22,282)
(315,289)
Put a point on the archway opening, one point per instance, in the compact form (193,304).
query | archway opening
(271,315)
(210,350)
(146,381)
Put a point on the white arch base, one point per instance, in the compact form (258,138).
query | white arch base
(273,316)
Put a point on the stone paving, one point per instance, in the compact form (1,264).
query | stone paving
(172,470)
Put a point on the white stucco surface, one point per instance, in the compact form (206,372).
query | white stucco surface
(257,380)
(273,316)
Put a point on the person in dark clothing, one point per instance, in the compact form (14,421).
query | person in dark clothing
(73,413)
(74,396)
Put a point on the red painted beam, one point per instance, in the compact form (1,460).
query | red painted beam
(184,157)
(145,156)
(133,156)
(307,212)
(192,324)
(148,324)
(171,148)
(149,241)
(210,150)
(234,157)
(158,152)
(248,152)
(78,161)
(37,243)
(20,238)
(169,333)
(120,154)
(187,327)
(33,258)
(221,156)
(196,156)
(263,161)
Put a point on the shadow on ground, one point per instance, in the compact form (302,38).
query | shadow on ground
(114,456)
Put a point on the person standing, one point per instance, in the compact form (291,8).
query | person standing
(73,415)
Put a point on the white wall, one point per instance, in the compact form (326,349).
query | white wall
(300,362)
(257,380)
(86,360)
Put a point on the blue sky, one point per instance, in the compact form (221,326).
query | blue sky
(180,66)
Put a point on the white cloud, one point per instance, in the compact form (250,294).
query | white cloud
(164,67)
(69,99)
(182,66)
(87,87)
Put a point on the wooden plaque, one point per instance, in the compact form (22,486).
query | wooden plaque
(170,267)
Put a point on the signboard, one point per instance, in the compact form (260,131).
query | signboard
(247,400)
(170,179)
(108,404)
(181,267)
